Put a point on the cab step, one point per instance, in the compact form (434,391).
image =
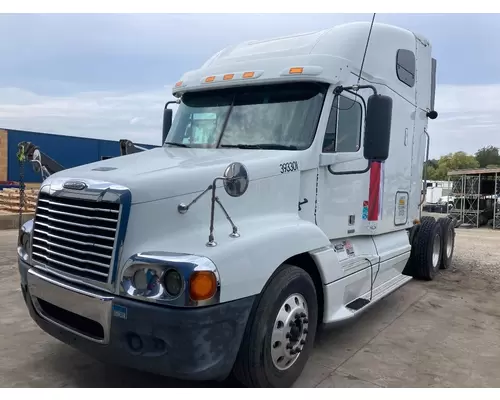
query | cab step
(358,304)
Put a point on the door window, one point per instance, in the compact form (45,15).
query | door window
(343,131)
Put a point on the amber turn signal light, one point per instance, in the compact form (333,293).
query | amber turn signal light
(202,285)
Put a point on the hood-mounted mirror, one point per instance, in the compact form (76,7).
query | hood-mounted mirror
(236,179)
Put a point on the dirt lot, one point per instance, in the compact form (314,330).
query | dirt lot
(438,334)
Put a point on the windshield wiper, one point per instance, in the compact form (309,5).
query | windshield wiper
(177,144)
(262,146)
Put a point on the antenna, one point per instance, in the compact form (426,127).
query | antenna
(366,49)
(356,87)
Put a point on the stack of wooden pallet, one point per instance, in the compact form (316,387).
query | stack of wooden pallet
(9,200)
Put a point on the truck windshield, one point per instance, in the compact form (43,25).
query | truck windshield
(281,116)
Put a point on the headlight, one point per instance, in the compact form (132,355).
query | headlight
(140,280)
(143,280)
(177,280)
(146,280)
(173,282)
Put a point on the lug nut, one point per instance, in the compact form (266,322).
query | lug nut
(288,336)
(306,331)
(297,350)
(305,320)
(303,315)
(289,346)
(302,342)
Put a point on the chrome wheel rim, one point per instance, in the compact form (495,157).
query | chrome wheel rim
(289,332)
(449,245)
(436,251)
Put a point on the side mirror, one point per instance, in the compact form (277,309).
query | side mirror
(167,122)
(36,161)
(377,128)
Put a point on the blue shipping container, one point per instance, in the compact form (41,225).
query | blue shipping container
(69,151)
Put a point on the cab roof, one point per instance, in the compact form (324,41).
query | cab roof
(328,55)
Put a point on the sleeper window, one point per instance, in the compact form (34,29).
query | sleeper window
(405,67)
(343,131)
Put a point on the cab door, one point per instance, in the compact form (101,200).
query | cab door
(343,171)
(343,186)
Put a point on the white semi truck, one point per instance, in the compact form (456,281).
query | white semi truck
(286,197)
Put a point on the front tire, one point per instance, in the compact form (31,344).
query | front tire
(280,334)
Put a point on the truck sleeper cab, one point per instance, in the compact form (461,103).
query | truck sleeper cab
(286,196)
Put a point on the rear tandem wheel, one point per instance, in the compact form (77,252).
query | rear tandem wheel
(448,244)
(426,251)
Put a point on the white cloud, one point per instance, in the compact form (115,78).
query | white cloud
(104,115)
(136,120)
(469,116)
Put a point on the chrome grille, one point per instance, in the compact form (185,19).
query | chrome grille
(75,236)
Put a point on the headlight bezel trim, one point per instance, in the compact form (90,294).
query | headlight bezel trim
(162,262)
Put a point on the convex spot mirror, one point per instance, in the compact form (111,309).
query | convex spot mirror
(378,128)
(236,179)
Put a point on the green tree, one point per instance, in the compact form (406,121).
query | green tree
(430,169)
(433,162)
(432,173)
(488,156)
(460,160)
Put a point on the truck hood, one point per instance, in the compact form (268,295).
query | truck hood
(168,172)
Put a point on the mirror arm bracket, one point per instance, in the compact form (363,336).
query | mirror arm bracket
(340,89)
(178,101)
(183,208)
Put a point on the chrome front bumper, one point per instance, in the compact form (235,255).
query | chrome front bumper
(49,294)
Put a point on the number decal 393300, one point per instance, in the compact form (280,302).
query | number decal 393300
(289,166)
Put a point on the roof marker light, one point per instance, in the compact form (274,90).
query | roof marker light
(248,75)
(210,79)
(296,70)
(178,84)
(228,77)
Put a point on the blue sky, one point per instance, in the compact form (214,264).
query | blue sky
(109,75)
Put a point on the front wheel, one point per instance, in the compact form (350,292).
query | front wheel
(281,332)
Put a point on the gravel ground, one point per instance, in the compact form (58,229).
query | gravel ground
(444,333)
(476,262)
